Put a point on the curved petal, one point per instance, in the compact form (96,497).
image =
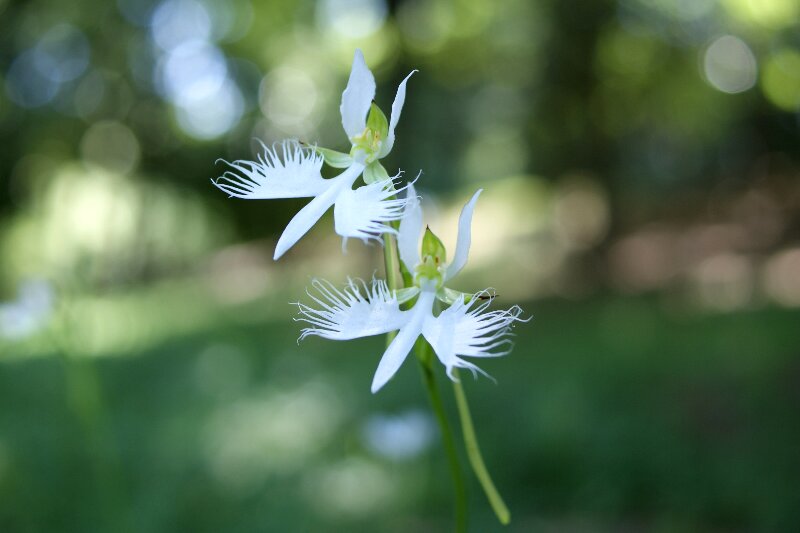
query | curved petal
(308,216)
(357,96)
(464,238)
(287,170)
(365,212)
(349,314)
(410,229)
(397,107)
(463,330)
(397,351)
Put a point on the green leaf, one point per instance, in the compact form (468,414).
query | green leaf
(333,158)
(376,121)
(375,173)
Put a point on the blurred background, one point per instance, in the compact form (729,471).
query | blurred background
(642,175)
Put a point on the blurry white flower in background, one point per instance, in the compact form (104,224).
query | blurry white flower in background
(29,313)
(399,437)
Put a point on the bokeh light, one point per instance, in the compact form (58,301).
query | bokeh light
(729,65)
(781,79)
(352,19)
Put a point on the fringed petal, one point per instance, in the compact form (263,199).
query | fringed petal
(287,170)
(365,212)
(465,329)
(358,310)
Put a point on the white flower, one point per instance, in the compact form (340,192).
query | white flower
(291,170)
(465,329)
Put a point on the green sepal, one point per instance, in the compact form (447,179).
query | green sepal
(376,121)
(333,158)
(375,173)
(404,295)
(432,246)
(450,296)
(432,265)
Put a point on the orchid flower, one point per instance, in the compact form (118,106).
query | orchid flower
(465,328)
(292,170)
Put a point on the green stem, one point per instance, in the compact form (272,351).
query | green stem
(474,454)
(424,355)
(396,278)
(391,260)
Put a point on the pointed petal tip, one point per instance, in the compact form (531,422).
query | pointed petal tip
(409,75)
(378,383)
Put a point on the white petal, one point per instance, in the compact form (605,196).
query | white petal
(357,311)
(308,216)
(287,170)
(397,107)
(410,229)
(357,96)
(464,238)
(397,351)
(365,212)
(462,331)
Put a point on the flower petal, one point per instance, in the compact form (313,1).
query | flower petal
(365,212)
(397,107)
(356,311)
(410,229)
(466,330)
(287,170)
(464,237)
(357,96)
(397,351)
(308,216)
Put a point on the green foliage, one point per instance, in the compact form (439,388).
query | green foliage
(637,415)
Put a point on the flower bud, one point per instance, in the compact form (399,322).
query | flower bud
(433,261)
(432,246)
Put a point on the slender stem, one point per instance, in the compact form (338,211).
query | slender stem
(424,356)
(391,259)
(474,454)
(391,262)
(396,278)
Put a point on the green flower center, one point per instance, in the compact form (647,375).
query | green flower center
(368,142)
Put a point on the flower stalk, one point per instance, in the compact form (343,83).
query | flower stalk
(475,458)
(425,356)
